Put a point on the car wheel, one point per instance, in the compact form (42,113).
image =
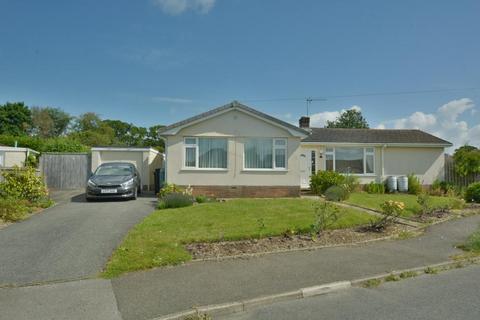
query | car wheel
(135,193)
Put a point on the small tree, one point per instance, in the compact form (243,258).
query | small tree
(352,118)
(326,215)
(467,160)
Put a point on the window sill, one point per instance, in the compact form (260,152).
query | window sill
(265,170)
(205,169)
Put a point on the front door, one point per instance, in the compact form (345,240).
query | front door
(308,166)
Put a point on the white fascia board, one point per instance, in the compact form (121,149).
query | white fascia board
(124,149)
(408,145)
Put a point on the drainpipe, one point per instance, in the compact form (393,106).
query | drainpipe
(383,161)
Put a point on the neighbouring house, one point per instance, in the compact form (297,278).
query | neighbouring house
(235,151)
(145,159)
(14,156)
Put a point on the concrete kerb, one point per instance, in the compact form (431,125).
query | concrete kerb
(240,306)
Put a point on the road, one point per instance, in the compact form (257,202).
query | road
(448,295)
(71,240)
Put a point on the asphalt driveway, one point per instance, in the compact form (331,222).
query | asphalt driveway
(72,240)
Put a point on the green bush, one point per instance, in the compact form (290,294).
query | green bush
(12,209)
(337,193)
(377,188)
(472,194)
(351,183)
(58,144)
(425,203)
(322,180)
(175,200)
(203,199)
(326,215)
(23,183)
(169,188)
(414,186)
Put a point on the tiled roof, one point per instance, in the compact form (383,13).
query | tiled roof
(400,136)
(232,105)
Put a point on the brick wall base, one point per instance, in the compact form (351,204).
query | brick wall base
(247,191)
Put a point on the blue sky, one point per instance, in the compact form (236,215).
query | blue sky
(159,61)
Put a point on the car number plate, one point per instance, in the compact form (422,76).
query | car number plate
(109,191)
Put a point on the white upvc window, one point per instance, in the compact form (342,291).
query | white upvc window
(205,153)
(265,154)
(353,160)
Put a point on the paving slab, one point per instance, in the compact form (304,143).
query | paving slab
(88,299)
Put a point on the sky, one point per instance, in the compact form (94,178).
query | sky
(404,64)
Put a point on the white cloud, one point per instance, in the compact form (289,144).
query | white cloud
(176,7)
(320,119)
(444,123)
(171,100)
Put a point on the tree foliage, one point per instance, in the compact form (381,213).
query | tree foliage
(467,160)
(49,122)
(90,130)
(45,129)
(352,118)
(15,118)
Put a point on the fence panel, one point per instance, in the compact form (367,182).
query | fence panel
(65,170)
(454,178)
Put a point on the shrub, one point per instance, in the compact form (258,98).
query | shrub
(326,215)
(203,199)
(436,188)
(391,210)
(175,200)
(23,183)
(12,209)
(414,186)
(169,188)
(472,194)
(57,144)
(351,183)
(322,180)
(377,188)
(425,204)
(337,193)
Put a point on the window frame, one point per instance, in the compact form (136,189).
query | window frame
(365,153)
(274,148)
(197,154)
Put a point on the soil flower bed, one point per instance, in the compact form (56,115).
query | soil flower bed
(350,236)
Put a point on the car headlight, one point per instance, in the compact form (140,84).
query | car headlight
(91,183)
(127,184)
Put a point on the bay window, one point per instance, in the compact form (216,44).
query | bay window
(265,153)
(205,153)
(350,160)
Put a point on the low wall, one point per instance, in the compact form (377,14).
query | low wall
(247,191)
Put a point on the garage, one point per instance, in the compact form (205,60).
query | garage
(146,160)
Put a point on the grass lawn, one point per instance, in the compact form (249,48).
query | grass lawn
(158,240)
(373,201)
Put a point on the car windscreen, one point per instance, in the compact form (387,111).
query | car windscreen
(117,170)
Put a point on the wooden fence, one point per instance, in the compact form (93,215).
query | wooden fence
(65,170)
(454,178)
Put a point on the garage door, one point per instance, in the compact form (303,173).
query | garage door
(135,158)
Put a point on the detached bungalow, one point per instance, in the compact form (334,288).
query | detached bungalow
(235,151)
